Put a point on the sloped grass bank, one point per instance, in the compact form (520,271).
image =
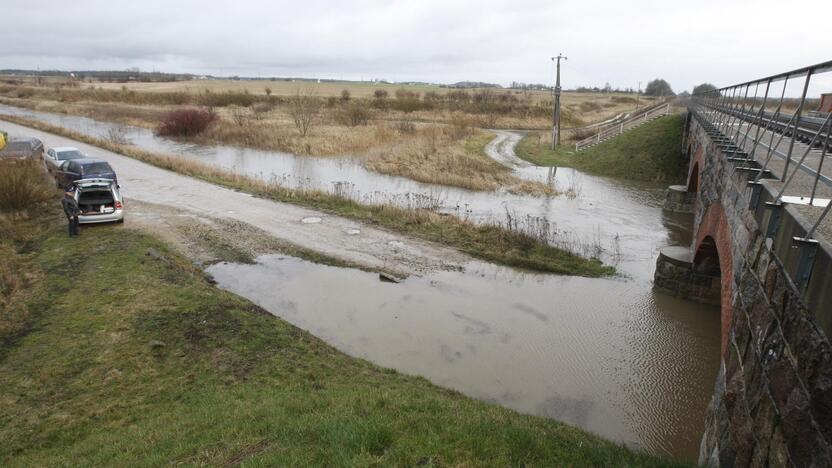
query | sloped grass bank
(131,359)
(651,153)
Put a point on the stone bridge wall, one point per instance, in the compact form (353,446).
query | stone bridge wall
(772,402)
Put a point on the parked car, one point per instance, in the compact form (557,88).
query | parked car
(23,149)
(56,156)
(99,201)
(77,169)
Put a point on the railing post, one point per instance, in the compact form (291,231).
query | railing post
(796,123)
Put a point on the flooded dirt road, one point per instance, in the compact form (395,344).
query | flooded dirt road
(608,355)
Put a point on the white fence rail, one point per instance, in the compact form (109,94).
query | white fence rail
(621,127)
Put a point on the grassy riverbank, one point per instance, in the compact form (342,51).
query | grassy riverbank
(488,242)
(651,152)
(118,357)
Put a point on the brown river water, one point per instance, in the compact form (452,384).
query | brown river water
(608,355)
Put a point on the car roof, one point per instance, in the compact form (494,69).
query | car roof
(61,149)
(94,182)
(29,140)
(84,161)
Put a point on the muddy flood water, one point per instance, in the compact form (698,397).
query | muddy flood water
(608,355)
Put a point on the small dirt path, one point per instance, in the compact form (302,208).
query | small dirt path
(501,149)
(334,236)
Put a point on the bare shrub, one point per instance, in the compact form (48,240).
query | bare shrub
(303,108)
(582,133)
(353,115)
(186,122)
(432,96)
(239,115)
(118,136)
(460,125)
(345,95)
(23,187)
(380,94)
(262,108)
(589,106)
(405,127)
(404,94)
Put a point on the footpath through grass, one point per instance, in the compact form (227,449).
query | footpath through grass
(651,152)
(488,242)
(122,358)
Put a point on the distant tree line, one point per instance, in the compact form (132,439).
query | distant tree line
(703,88)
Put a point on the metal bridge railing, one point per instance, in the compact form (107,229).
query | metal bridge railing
(769,134)
(620,127)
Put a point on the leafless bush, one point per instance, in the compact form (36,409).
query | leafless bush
(239,115)
(582,133)
(304,108)
(186,122)
(118,136)
(380,94)
(345,95)
(589,106)
(432,96)
(261,108)
(353,115)
(405,127)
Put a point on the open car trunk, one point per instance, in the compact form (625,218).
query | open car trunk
(94,201)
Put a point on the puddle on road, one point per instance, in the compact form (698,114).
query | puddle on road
(311,220)
(608,355)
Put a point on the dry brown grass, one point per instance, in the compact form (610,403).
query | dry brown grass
(24,187)
(429,150)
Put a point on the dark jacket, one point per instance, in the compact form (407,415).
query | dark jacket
(70,207)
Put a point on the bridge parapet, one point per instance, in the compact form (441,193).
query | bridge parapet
(772,400)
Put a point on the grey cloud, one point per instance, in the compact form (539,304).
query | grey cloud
(616,42)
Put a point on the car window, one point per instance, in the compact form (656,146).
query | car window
(97,168)
(70,154)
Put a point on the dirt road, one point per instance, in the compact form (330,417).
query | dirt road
(334,236)
(501,149)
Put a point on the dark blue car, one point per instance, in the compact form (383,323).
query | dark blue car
(78,169)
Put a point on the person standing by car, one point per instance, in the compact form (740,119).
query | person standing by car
(71,210)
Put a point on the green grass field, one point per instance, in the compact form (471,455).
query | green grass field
(127,359)
(650,153)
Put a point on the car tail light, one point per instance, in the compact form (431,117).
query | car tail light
(118,205)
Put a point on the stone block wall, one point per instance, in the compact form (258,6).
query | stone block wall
(772,403)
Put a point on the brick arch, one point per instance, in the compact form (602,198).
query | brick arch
(693,179)
(715,233)
(697,162)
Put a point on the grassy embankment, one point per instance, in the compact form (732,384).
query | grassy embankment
(651,152)
(488,242)
(112,356)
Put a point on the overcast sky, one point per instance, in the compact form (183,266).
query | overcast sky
(620,42)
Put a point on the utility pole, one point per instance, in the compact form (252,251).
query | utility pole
(556,108)
(638,95)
